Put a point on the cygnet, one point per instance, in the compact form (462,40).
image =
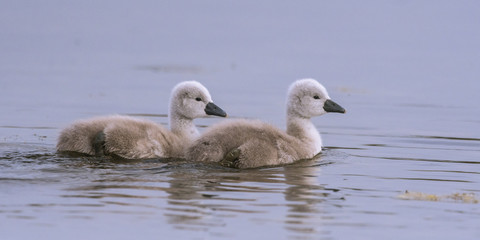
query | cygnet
(252,143)
(133,138)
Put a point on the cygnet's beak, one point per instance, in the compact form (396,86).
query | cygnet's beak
(212,109)
(331,106)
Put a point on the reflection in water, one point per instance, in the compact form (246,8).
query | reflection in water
(203,196)
(305,195)
(198,197)
(345,188)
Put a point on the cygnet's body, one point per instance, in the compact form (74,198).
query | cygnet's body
(252,143)
(132,138)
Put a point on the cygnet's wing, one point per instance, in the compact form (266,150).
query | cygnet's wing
(244,144)
(136,139)
(79,135)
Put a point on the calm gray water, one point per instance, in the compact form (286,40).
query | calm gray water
(406,71)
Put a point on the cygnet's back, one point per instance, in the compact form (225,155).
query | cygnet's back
(246,144)
(252,143)
(133,138)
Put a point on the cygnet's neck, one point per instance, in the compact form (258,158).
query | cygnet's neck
(183,127)
(303,129)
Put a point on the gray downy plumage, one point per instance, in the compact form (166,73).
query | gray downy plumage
(252,143)
(134,138)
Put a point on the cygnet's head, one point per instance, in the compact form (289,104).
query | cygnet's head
(190,100)
(308,98)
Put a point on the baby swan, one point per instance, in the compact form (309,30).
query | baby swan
(131,138)
(252,143)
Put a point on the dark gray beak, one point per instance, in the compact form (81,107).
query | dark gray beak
(212,109)
(331,106)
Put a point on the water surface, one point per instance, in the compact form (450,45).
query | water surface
(407,72)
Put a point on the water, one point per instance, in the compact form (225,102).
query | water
(406,71)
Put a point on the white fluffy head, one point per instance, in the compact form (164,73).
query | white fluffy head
(189,100)
(306,98)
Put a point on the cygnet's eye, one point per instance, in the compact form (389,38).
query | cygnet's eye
(198,99)
(316,97)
